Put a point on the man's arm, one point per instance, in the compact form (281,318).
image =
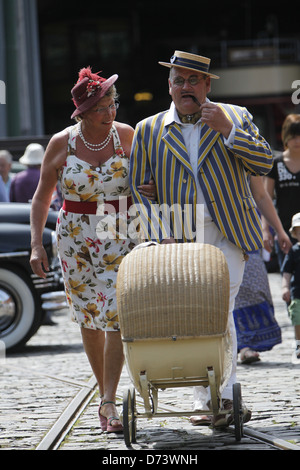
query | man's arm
(241,135)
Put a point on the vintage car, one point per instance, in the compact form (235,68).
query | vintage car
(24,297)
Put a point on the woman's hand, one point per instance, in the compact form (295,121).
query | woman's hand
(148,190)
(39,261)
(286,295)
(284,242)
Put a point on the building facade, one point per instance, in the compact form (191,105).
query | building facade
(44,44)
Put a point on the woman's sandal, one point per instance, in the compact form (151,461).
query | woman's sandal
(201,420)
(111,428)
(248,356)
(106,423)
(103,420)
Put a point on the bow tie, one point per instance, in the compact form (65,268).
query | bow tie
(189,118)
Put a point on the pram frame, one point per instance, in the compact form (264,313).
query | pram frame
(201,274)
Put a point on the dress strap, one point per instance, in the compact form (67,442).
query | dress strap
(117,142)
(72,139)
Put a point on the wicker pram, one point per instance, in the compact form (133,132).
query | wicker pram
(173,311)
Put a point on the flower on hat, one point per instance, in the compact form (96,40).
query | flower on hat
(92,87)
(94,83)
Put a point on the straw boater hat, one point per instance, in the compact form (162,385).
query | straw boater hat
(33,155)
(295,222)
(89,89)
(189,61)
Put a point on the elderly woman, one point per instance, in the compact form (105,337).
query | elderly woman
(90,162)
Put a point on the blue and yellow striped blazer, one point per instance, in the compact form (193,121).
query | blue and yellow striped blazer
(159,151)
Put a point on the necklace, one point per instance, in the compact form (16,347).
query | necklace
(94,147)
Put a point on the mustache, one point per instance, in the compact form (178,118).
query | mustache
(193,98)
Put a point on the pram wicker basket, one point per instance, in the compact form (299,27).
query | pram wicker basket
(173,290)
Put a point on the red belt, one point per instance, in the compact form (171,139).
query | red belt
(79,207)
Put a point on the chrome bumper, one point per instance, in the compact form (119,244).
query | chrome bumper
(52,279)
(54,301)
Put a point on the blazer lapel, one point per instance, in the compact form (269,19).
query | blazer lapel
(208,138)
(175,143)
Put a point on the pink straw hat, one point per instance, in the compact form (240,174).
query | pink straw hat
(89,89)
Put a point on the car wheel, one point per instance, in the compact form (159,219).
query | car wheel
(20,313)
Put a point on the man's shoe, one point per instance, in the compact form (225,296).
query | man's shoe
(226,419)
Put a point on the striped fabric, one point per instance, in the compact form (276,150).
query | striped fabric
(159,151)
(194,64)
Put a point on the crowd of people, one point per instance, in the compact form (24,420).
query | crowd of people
(20,187)
(198,152)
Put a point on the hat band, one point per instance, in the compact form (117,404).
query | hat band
(180,61)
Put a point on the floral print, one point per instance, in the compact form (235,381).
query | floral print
(92,246)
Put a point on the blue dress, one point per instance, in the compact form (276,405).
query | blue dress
(255,322)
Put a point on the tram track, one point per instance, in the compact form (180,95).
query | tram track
(68,418)
(274,441)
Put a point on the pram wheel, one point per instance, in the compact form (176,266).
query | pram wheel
(237,411)
(129,419)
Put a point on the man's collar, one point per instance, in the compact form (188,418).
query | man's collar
(172,115)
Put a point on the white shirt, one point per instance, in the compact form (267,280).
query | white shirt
(192,135)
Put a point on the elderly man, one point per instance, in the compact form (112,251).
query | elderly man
(24,184)
(201,155)
(6,160)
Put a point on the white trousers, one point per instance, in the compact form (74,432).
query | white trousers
(209,233)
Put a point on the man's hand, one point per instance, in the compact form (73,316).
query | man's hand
(168,241)
(214,117)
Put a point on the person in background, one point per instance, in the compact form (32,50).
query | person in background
(6,160)
(291,284)
(24,183)
(255,322)
(283,181)
(283,184)
(3,192)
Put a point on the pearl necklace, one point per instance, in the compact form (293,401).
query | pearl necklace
(94,147)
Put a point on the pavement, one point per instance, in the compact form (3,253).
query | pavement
(38,384)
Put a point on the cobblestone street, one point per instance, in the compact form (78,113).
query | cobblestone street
(38,384)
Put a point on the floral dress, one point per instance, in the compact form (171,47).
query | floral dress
(91,247)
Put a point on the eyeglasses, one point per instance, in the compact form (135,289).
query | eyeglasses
(179,81)
(111,107)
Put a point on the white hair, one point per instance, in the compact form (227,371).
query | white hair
(7,155)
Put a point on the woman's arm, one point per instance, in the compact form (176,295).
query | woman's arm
(269,215)
(54,158)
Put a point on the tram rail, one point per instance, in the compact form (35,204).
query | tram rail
(64,424)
